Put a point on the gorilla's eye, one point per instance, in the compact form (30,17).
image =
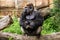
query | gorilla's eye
(25,7)
(30,7)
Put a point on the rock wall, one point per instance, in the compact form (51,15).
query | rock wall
(11,7)
(22,3)
(7,3)
(10,11)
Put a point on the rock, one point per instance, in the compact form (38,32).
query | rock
(7,3)
(5,21)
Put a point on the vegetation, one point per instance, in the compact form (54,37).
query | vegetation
(10,38)
(14,28)
(52,24)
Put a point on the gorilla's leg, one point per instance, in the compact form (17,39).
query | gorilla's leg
(22,30)
(38,32)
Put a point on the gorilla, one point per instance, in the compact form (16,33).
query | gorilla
(31,21)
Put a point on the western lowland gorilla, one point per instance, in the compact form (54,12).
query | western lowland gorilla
(31,21)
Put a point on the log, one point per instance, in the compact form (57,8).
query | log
(44,11)
(5,21)
(54,36)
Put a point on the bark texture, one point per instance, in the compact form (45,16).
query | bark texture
(55,36)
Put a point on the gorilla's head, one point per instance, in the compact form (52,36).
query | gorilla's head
(29,8)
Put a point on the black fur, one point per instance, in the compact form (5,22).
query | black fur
(31,20)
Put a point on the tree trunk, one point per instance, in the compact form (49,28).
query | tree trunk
(55,36)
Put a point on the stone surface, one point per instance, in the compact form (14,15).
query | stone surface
(7,3)
(22,3)
(5,21)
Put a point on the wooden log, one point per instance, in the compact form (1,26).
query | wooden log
(44,11)
(55,36)
(5,21)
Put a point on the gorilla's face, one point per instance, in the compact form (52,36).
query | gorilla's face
(28,9)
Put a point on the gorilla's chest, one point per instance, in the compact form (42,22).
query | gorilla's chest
(30,17)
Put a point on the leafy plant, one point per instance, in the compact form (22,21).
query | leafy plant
(14,28)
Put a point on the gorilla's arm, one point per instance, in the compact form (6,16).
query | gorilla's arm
(39,19)
(22,19)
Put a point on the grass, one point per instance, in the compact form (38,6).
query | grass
(14,28)
(47,26)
